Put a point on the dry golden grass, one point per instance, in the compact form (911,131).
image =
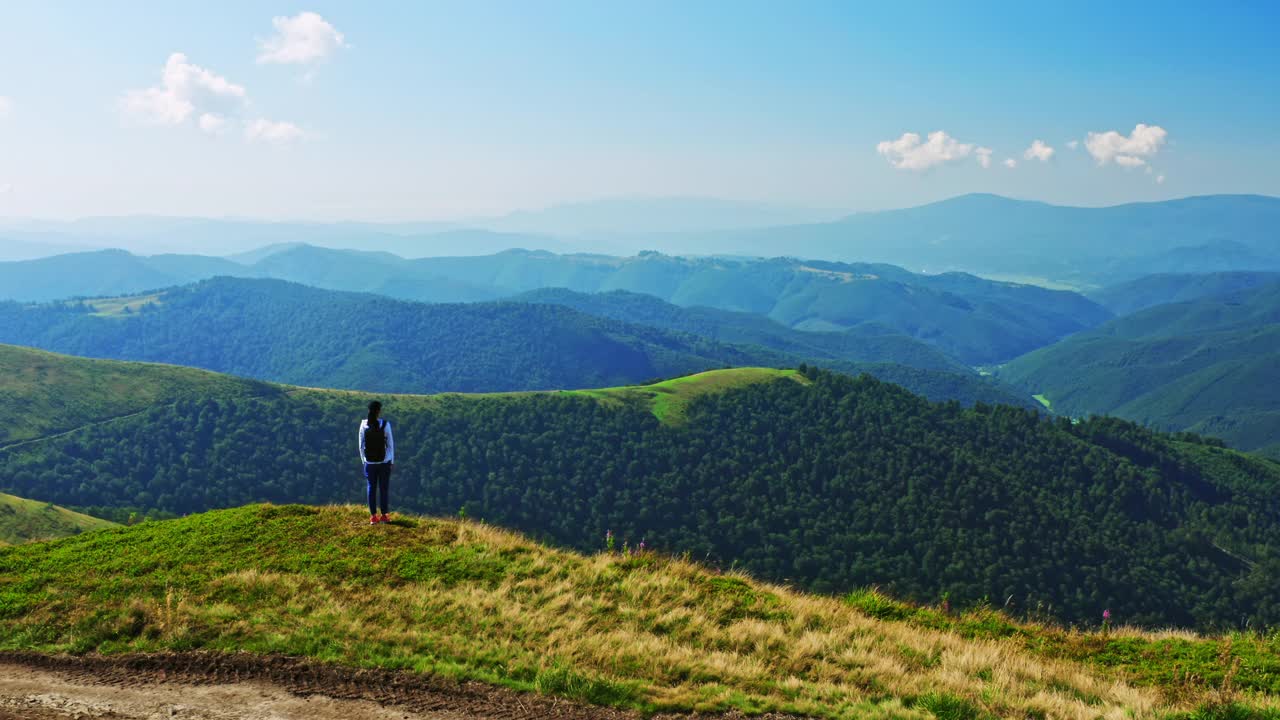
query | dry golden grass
(642,631)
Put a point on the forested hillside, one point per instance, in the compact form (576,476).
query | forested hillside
(832,484)
(867,346)
(1207,365)
(272,330)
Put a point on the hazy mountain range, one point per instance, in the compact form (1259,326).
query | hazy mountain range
(982,234)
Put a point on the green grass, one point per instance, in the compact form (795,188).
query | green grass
(669,399)
(1182,664)
(44,393)
(24,520)
(646,632)
(1043,401)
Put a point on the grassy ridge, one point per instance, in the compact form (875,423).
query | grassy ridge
(24,520)
(629,630)
(667,400)
(42,393)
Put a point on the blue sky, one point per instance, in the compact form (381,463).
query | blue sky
(429,110)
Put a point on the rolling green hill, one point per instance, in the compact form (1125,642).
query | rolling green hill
(973,320)
(42,393)
(23,521)
(635,630)
(282,332)
(1207,365)
(819,479)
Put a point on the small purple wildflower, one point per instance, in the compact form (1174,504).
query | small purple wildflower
(1106,615)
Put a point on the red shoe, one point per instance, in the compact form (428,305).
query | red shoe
(373,520)
(385,518)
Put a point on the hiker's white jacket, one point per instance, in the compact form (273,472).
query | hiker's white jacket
(391,444)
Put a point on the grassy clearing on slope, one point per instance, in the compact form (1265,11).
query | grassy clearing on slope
(469,601)
(1048,405)
(123,306)
(669,399)
(23,520)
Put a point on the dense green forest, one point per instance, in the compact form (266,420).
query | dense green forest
(831,484)
(1206,365)
(282,332)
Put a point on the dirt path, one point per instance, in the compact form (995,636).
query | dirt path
(210,686)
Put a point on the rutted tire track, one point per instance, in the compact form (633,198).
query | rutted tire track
(166,674)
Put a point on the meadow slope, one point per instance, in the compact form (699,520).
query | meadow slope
(625,629)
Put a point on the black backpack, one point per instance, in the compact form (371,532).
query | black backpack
(375,443)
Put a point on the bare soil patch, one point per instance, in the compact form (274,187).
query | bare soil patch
(214,686)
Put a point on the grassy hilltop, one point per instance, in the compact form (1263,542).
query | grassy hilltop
(27,520)
(643,631)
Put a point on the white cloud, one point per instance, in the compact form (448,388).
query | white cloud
(984,156)
(6,106)
(279,133)
(908,153)
(1111,146)
(1073,144)
(301,39)
(184,90)
(213,123)
(6,188)
(1038,151)
(1010,163)
(1159,179)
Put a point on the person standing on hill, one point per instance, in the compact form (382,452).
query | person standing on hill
(378,454)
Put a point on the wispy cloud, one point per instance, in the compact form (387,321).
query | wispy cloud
(984,156)
(277,133)
(1010,163)
(909,153)
(1073,144)
(303,39)
(1126,151)
(6,107)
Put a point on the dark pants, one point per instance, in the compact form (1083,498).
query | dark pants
(379,477)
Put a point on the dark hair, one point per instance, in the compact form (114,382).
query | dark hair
(375,407)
